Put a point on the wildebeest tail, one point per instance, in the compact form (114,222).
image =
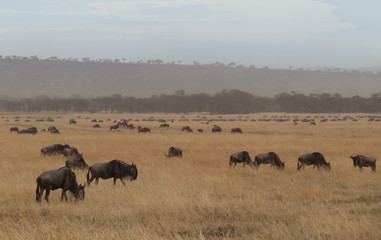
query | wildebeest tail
(298,168)
(38,189)
(88,176)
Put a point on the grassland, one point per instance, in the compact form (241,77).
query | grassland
(198,196)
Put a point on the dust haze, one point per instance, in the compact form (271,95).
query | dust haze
(53,77)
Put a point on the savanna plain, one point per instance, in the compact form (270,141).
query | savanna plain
(197,196)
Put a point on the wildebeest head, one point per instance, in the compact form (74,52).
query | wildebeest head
(355,159)
(80,192)
(133,172)
(277,161)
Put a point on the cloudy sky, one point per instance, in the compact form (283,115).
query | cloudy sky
(274,33)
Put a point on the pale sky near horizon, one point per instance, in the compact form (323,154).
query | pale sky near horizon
(274,33)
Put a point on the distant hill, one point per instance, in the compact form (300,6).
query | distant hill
(26,77)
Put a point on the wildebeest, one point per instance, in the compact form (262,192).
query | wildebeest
(72,121)
(96,126)
(70,151)
(76,162)
(187,129)
(317,159)
(174,152)
(32,130)
(236,130)
(240,157)
(130,126)
(114,127)
(216,128)
(60,178)
(200,130)
(164,125)
(53,130)
(14,129)
(54,149)
(269,158)
(113,169)
(144,129)
(362,161)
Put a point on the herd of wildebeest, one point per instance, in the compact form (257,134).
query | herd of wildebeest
(65,178)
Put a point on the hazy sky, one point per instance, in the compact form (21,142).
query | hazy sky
(274,33)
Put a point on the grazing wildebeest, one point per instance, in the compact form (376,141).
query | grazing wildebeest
(76,162)
(236,130)
(240,157)
(94,121)
(31,130)
(96,126)
(60,178)
(130,126)
(54,149)
(14,129)
(53,130)
(187,129)
(113,169)
(164,125)
(269,158)
(216,128)
(174,152)
(114,127)
(70,151)
(362,161)
(72,121)
(23,131)
(145,129)
(200,130)
(317,159)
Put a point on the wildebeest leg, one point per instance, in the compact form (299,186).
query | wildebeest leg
(122,182)
(114,181)
(63,195)
(360,168)
(47,195)
(39,196)
(96,180)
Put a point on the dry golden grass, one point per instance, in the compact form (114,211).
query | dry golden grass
(198,196)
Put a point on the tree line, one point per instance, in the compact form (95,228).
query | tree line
(223,102)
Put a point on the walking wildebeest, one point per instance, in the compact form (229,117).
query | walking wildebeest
(362,161)
(60,178)
(187,129)
(174,152)
(240,157)
(54,149)
(236,130)
(269,158)
(70,151)
(316,159)
(216,128)
(113,169)
(14,129)
(76,162)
